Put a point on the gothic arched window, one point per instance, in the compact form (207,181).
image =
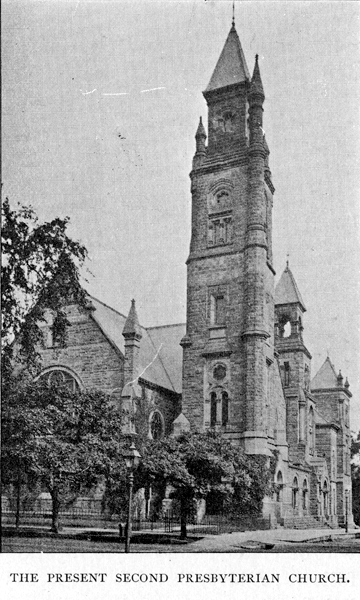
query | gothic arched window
(156,426)
(295,491)
(60,378)
(279,487)
(311,430)
(213,402)
(225,408)
(305,494)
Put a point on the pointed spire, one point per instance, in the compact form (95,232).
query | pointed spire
(286,291)
(256,86)
(200,132)
(347,384)
(231,67)
(132,328)
(200,153)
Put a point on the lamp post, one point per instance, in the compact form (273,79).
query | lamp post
(132,459)
(346,511)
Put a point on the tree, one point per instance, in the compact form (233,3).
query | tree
(355,477)
(40,264)
(197,464)
(65,440)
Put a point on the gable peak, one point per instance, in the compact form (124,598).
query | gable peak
(326,376)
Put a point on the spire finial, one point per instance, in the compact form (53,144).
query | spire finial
(233,14)
(287,260)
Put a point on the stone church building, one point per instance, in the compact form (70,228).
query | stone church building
(240,363)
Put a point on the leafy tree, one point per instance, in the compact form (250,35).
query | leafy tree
(65,440)
(197,464)
(355,478)
(35,255)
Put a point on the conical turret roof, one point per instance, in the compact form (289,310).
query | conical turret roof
(286,291)
(231,66)
(132,327)
(256,83)
(326,377)
(200,132)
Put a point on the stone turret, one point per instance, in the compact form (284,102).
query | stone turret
(256,329)
(200,138)
(132,334)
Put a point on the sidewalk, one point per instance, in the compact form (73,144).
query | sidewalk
(269,537)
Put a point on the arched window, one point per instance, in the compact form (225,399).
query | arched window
(311,425)
(60,378)
(305,494)
(279,486)
(156,426)
(212,409)
(225,408)
(286,373)
(326,498)
(295,491)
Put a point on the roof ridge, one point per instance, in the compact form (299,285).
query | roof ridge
(163,326)
(107,305)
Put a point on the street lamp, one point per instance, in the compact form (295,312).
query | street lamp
(346,510)
(132,459)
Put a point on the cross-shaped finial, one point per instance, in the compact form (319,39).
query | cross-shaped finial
(233,11)
(287,260)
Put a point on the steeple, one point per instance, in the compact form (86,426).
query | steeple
(256,86)
(286,291)
(132,329)
(200,138)
(231,67)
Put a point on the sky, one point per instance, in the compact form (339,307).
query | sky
(101,101)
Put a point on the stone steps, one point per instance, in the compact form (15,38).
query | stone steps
(304,522)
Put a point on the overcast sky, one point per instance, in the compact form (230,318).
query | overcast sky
(101,102)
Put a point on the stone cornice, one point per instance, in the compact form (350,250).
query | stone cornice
(334,389)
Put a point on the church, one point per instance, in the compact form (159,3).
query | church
(240,363)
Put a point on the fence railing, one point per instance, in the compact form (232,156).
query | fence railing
(209,524)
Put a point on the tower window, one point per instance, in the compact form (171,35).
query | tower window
(286,374)
(219,372)
(219,231)
(217,310)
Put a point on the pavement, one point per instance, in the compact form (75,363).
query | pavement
(268,538)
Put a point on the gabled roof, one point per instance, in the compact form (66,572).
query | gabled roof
(231,66)
(286,291)
(326,377)
(160,350)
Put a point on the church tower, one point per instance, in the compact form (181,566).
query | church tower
(295,362)
(228,358)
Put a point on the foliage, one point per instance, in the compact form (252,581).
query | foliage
(355,478)
(199,464)
(355,446)
(65,440)
(40,263)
